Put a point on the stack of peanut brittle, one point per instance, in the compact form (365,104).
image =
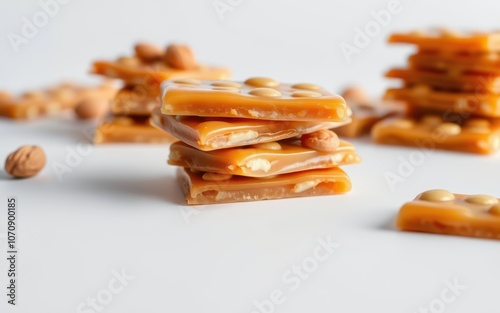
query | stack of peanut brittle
(254,140)
(452,89)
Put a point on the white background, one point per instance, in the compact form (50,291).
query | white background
(121,208)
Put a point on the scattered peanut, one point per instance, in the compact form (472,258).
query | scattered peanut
(268,145)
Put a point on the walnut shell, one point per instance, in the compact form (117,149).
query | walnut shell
(26,161)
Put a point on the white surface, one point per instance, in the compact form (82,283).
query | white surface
(121,208)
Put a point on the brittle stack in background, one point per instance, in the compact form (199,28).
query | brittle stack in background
(142,75)
(451,87)
(255,140)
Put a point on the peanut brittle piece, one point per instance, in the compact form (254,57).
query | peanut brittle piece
(210,188)
(442,212)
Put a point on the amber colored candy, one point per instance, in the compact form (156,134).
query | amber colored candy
(431,132)
(127,129)
(473,83)
(212,133)
(468,103)
(261,160)
(449,40)
(200,188)
(457,64)
(442,212)
(256,98)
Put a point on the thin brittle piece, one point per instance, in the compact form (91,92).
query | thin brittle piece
(213,133)
(450,40)
(263,159)
(256,98)
(430,132)
(442,212)
(462,83)
(128,129)
(200,190)
(424,97)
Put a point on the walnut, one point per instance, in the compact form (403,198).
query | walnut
(26,161)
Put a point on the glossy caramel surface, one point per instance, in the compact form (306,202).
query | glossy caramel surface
(212,133)
(462,215)
(254,101)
